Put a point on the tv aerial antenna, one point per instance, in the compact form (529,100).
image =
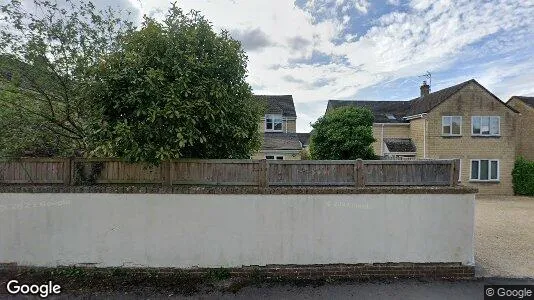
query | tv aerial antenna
(428,76)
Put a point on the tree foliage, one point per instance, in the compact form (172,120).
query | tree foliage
(47,58)
(523,177)
(343,133)
(176,89)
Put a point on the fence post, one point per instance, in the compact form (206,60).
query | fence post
(167,172)
(72,166)
(455,169)
(67,179)
(359,176)
(263,172)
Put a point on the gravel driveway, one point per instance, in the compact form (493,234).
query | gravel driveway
(504,236)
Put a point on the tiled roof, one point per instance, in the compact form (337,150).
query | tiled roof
(395,111)
(400,145)
(527,100)
(279,104)
(425,104)
(383,111)
(281,141)
(304,138)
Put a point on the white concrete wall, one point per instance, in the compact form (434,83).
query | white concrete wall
(180,230)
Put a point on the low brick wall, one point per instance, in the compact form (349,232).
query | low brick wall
(262,273)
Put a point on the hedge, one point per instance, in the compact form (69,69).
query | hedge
(523,177)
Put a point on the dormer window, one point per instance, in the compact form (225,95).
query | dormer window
(273,122)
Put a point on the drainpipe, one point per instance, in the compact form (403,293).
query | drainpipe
(424,135)
(382,141)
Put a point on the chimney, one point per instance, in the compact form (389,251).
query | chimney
(425,89)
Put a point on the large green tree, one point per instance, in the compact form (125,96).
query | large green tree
(177,89)
(343,133)
(47,57)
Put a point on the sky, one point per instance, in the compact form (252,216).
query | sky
(318,50)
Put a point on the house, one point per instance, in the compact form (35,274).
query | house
(279,128)
(464,121)
(525,106)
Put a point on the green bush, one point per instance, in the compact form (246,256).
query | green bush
(523,177)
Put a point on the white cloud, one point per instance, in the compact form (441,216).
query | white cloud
(430,35)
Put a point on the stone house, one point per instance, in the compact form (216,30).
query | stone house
(525,106)
(464,121)
(279,128)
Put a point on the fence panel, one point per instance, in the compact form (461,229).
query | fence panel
(33,171)
(307,172)
(401,173)
(112,170)
(230,172)
(215,172)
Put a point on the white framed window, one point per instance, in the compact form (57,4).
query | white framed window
(451,125)
(277,157)
(273,122)
(485,170)
(486,125)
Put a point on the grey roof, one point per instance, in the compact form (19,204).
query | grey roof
(425,104)
(401,109)
(304,138)
(281,141)
(400,145)
(279,104)
(383,111)
(527,100)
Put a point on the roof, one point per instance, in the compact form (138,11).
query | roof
(383,111)
(304,138)
(395,111)
(281,141)
(279,104)
(527,100)
(425,104)
(400,145)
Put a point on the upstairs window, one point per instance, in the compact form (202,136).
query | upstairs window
(484,170)
(451,125)
(486,125)
(277,157)
(273,123)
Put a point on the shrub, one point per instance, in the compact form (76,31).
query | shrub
(523,177)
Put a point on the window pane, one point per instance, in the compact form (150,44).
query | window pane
(278,125)
(484,170)
(484,125)
(446,125)
(494,125)
(494,169)
(476,125)
(280,157)
(456,121)
(269,157)
(269,123)
(474,169)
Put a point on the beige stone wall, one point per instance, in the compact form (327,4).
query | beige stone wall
(290,126)
(389,131)
(417,134)
(474,101)
(525,130)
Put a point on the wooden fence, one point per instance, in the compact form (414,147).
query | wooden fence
(260,173)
